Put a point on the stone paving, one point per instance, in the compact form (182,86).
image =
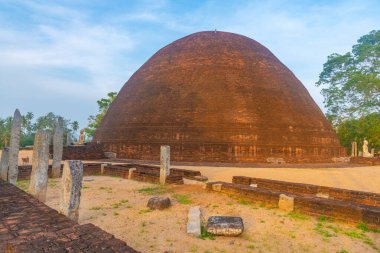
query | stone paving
(27,225)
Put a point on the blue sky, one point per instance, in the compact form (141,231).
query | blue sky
(62,56)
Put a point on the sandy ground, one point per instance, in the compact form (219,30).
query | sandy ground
(119,207)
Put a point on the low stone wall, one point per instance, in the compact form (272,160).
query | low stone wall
(358,197)
(27,225)
(311,205)
(145,173)
(372,161)
(154,177)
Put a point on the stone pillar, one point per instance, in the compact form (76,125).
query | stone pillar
(165,163)
(4,164)
(57,148)
(353,148)
(71,189)
(14,148)
(373,152)
(40,166)
(68,140)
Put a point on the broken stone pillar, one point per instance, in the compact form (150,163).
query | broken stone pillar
(57,148)
(286,203)
(4,164)
(373,152)
(356,149)
(14,148)
(68,140)
(165,163)
(225,225)
(353,148)
(194,220)
(40,166)
(71,189)
(130,172)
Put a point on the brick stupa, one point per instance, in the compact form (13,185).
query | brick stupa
(217,97)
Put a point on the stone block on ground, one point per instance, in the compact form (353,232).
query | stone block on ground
(158,203)
(201,178)
(225,225)
(217,187)
(286,203)
(276,160)
(130,172)
(194,220)
(322,195)
(110,155)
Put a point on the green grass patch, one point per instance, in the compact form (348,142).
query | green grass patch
(298,216)
(244,202)
(85,187)
(363,227)
(182,199)
(205,235)
(23,184)
(107,189)
(322,231)
(251,246)
(155,190)
(96,208)
(143,211)
(119,204)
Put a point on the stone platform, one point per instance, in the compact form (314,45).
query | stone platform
(27,225)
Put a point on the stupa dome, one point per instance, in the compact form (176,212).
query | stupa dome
(216,96)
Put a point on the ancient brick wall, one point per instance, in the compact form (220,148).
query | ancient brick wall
(225,153)
(145,173)
(90,151)
(359,197)
(372,161)
(304,203)
(27,225)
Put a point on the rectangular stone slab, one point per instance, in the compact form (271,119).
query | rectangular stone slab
(225,225)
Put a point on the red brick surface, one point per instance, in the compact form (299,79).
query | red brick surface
(217,97)
(27,225)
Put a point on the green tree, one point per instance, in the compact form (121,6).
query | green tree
(5,131)
(94,120)
(351,89)
(29,128)
(367,127)
(351,82)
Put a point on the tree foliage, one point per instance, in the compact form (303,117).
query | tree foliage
(351,82)
(94,120)
(30,127)
(366,127)
(351,89)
